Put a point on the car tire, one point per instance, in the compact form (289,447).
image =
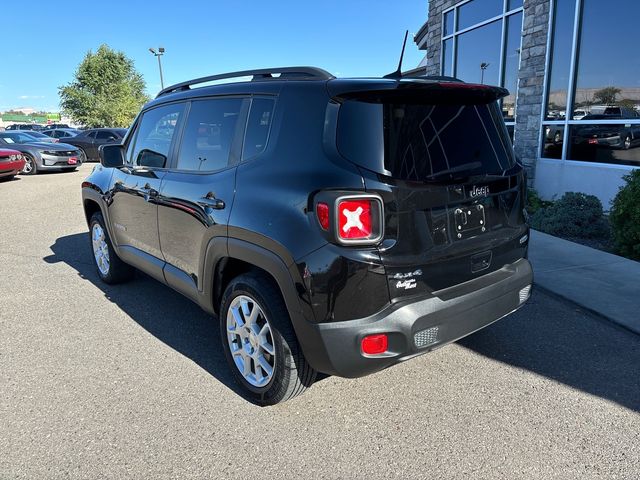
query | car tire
(30,166)
(111,268)
(248,336)
(557,138)
(626,144)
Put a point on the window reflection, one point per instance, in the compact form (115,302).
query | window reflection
(605,143)
(560,59)
(447,64)
(608,70)
(448,23)
(514,4)
(478,54)
(552,137)
(477,11)
(511,64)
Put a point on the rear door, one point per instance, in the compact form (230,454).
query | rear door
(133,206)
(197,193)
(453,193)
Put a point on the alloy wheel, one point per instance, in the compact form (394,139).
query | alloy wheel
(250,341)
(100,248)
(28,164)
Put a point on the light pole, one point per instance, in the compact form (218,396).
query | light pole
(158,54)
(483,67)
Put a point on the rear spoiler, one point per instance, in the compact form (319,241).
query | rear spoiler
(415,90)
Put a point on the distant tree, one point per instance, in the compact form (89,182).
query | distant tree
(606,95)
(107,90)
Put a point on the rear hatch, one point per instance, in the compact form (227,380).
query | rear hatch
(439,155)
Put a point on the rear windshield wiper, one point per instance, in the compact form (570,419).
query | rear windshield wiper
(460,168)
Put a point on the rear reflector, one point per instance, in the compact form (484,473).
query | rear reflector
(524,293)
(375,344)
(322,212)
(427,337)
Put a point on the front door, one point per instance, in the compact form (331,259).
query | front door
(133,209)
(197,194)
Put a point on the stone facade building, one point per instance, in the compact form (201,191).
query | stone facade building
(573,111)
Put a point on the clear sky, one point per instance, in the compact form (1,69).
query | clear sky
(346,37)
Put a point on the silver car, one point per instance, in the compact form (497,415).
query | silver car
(41,156)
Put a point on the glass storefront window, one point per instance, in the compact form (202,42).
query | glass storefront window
(552,138)
(447,64)
(608,69)
(477,11)
(514,4)
(511,64)
(447,27)
(600,103)
(560,65)
(605,143)
(478,54)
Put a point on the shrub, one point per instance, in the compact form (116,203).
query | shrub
(534,202)
(625,217)
(575,215)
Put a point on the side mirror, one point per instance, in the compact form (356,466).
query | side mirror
(111,156)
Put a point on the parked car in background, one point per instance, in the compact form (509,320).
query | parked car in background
(619,136)
(25,126)
(56,125)
(62,132)
(90,140)
(39,136)
(11,163)
(41,156)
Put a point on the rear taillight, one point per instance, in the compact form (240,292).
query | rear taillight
(374,344)
(351,219)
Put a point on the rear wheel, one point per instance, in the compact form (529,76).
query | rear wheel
(259,342)
(30,167)
(627,142)
(110,268)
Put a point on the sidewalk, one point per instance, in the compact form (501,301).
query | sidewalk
(599,281)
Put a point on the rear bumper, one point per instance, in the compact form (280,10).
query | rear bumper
(444,318)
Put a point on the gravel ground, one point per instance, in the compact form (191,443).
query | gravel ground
(129,382)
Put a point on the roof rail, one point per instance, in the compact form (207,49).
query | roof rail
(293,73)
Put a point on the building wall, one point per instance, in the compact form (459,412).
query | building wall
(531,83)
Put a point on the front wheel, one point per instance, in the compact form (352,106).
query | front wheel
(110,268)
(627,142)
(259,342)
(30,167)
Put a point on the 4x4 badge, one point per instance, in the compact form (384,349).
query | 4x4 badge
(479,191)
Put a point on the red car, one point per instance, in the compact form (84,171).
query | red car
(11,163)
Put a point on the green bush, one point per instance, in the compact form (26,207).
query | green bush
(575,215)
(534,202)
(625,217)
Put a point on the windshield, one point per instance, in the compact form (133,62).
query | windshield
(18,137)
(422,142)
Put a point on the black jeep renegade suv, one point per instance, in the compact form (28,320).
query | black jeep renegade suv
(333,225)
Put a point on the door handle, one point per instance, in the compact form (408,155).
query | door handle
(210,201)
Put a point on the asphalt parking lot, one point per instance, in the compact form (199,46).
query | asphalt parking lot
(128,381)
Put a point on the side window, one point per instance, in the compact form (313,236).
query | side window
(105,135)
(208,134)
(154,136)
(91,135)
(258,126)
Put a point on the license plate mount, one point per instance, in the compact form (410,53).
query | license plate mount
(469,220)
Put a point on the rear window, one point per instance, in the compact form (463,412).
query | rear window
(419,142)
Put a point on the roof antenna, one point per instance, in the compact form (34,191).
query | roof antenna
(398,73)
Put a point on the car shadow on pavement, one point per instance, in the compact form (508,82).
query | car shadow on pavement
(166,314)
(580,350)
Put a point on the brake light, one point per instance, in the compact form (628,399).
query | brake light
(375,344)
(354,219)
(322,212)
